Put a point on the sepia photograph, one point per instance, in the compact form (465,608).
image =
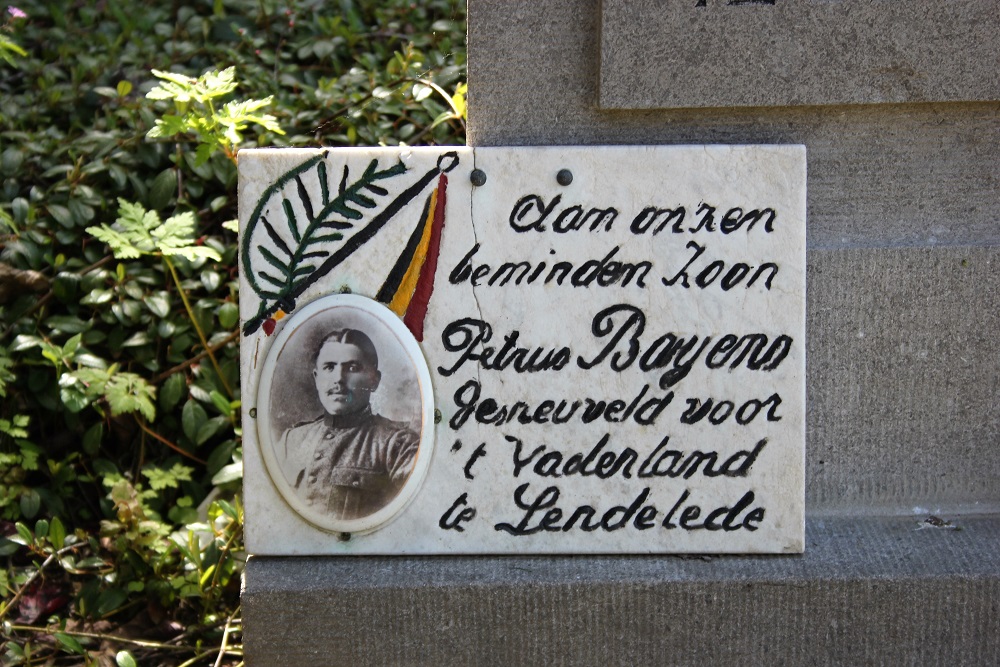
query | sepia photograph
(342,410)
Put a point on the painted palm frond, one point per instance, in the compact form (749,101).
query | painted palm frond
(290,247)
(286,248)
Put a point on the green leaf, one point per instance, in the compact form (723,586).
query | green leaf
(421,92)
(92,439)
(228,314)
(210,428)
(90,360)
(119,243)
(67,324)
(163,189)
(41,528)
(203,153)
(167,126)
(31,502)
(69,643)
(139,232)
(97,297)
(11,160)
(193,416)
(24,342)
(124,659)
(183,515)
(228,509)
(211,280)
(8,547)
(128,392)
(15,428)
(73,394)
(229,473)
(194,252)
(110,600)
(60,214)
(176,232)
(221,403)
(8,222)
(20,209)
(158,304)
(171,391)
(23,531)
(162,478)
(81,212)
(57,533)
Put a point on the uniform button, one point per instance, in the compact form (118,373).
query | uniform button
(317,456)
(356,482)
(328,435)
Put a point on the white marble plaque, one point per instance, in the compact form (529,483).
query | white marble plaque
(523,350)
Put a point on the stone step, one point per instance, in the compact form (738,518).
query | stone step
(868,590)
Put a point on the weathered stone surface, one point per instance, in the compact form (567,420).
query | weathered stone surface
(903,379)
(925,174)
(716,53)
(866,591)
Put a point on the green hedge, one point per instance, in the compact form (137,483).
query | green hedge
(119,391)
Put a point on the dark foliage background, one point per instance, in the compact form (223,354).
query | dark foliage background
(120,458)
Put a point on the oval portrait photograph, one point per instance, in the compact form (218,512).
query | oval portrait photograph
(345,414)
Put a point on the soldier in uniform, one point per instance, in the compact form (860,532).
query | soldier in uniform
(350,462)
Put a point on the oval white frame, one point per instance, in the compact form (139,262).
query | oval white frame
(381,316)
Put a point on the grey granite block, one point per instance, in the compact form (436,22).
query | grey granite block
(910,174)
(903,379)
(715,53)
(867,591)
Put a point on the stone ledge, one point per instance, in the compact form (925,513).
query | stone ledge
(875,589)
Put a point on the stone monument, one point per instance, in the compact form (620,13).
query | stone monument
(897,108)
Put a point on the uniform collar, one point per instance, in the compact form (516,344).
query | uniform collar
(348,421)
